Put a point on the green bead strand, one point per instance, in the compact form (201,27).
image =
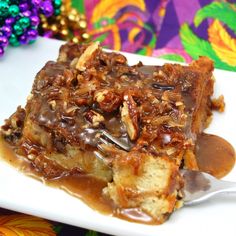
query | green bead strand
(57,12)
(14,10)
(57,3)
(32,41)
(18,29)
(3,9)
(24,22)
(3,6)
(14,41)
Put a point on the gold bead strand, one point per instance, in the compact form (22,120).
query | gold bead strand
(70,25)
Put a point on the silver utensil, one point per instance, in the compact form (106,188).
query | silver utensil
(198,186)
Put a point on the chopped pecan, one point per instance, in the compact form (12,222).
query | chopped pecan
(159,120)
(171,96)
(107,99)
(87,87)
(118,59)
(81,62)
(71,79)
(218,104)
(94,118)
(12,129)
(112,59)
(80,101)
(130,116)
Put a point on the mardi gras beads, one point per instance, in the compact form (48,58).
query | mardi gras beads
(19,20)
(68,25)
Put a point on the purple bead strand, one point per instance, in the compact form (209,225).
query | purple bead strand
(20,26)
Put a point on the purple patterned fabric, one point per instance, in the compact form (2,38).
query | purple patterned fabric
(172,29)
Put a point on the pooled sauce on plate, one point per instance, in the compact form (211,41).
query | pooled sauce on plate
(87,188)
(214,155)
(135,215)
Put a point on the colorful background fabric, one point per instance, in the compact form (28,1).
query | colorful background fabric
(171,29)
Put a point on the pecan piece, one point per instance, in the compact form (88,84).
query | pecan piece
(108,100)
(80,63)
(130,116)
(94,118)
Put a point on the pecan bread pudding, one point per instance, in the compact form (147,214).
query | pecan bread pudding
(158,110)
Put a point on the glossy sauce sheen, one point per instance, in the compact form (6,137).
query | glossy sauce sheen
(87,188)
(214,155)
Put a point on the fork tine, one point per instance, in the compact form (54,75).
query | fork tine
(116,141)
(99,156)
(107,147)
(100,147)
(107,161)
(104,141)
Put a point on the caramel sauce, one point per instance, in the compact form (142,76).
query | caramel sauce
(214,155)
(87,188)
(135,215)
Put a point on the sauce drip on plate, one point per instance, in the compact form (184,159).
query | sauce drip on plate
(214,155)
(87,188)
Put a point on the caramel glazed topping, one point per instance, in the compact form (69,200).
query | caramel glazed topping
(153,108)
(79,95)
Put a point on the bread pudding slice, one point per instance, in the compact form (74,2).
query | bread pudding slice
(158,110)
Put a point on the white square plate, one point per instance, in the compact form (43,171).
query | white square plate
(24,194)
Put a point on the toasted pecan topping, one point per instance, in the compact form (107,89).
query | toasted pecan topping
(78,95)
(107,99)
(218,104)
(80,64)
(130,116)
(94,118)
